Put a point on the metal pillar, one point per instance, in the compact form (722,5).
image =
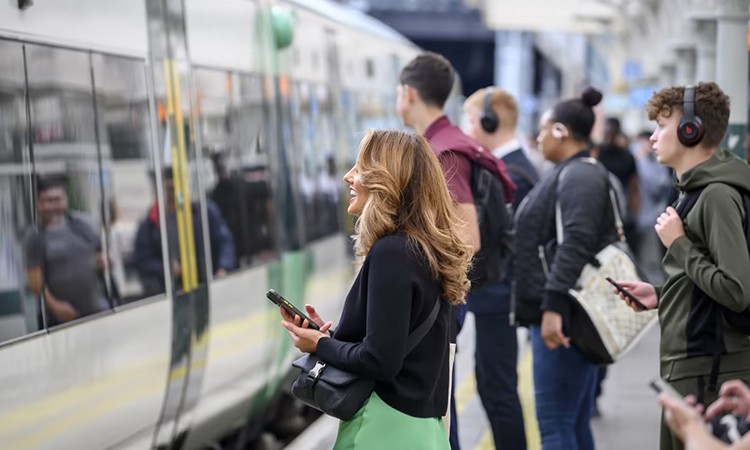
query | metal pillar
(514,72)
(705,33)
(685,67)
(732,68)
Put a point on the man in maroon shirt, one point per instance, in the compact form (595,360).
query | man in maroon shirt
(424,86)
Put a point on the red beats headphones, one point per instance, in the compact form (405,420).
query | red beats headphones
(690,132)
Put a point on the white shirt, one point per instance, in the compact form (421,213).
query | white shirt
(507,148)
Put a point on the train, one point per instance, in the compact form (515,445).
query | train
(162,119)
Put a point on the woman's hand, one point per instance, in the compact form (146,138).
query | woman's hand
(552,331)
(305,339)
(297,320)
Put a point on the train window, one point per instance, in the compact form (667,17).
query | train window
(66,246)
(124,120)
(317,177)
(370,68)
(19,307)
(233,119)
(183,217)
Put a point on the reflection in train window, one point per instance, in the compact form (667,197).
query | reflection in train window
(124,133)
(233,122)
(318,182)
(19,307)
(69,199)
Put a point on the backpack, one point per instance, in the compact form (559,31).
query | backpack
(495,217)
(738,320)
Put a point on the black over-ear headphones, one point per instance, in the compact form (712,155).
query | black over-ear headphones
(489,120)
(690,132)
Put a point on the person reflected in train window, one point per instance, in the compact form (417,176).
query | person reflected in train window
(244,200)
(64,257)
(148,251)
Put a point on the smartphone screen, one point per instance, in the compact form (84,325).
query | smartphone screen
(278,300)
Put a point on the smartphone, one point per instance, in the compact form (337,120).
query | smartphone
(627,294)
(291,309)
(662,387)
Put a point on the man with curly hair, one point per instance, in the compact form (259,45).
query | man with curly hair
(707,261)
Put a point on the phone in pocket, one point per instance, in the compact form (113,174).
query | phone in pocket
(277,299)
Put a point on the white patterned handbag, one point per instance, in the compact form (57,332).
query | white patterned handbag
(615,327)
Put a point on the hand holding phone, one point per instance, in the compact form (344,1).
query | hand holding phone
(627,294)
(290,309)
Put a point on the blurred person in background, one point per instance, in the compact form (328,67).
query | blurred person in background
(618,160)
(148,251)
(655,187)
(493,116)
(564,379)
(64,257)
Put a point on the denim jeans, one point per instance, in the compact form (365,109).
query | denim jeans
(564,383)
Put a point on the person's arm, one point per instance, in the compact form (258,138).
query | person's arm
(222,243)
(147,256)
(457,170)
(389,298)
(582,194)
(470,233)
(723,273)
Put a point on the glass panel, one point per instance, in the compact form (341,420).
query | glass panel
(124,133)
(233,122)
(183,223)
(19,306)
(69,200)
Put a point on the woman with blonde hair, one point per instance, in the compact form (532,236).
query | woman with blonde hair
(414,263)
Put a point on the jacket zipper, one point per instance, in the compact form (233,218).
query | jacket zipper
(543,259)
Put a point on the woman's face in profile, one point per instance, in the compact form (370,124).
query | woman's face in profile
(548,144)
(358,191)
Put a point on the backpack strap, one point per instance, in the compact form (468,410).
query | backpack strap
(416,336)
(515,168)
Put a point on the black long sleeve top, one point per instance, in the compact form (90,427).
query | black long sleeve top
(392,295)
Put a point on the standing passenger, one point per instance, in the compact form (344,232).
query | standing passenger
(577,189)
(408,232)
(493,115)
(424,86)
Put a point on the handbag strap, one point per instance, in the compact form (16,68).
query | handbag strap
(416,336)
(612,198)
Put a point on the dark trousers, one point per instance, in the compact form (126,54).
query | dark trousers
(564,385)
(497,379)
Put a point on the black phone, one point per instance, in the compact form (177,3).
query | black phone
(277,299)
(627,294)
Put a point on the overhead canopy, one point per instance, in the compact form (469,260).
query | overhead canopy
(582,16)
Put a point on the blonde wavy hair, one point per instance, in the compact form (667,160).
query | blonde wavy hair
(408,194)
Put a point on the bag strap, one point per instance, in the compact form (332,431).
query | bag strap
(416,336)
(612,198)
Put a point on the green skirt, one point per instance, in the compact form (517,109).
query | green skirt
(377,426)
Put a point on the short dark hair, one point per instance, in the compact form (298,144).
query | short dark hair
(711,105)
(45,183)
(432,76)
(578,114)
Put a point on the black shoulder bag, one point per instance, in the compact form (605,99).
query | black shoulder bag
(339,393)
